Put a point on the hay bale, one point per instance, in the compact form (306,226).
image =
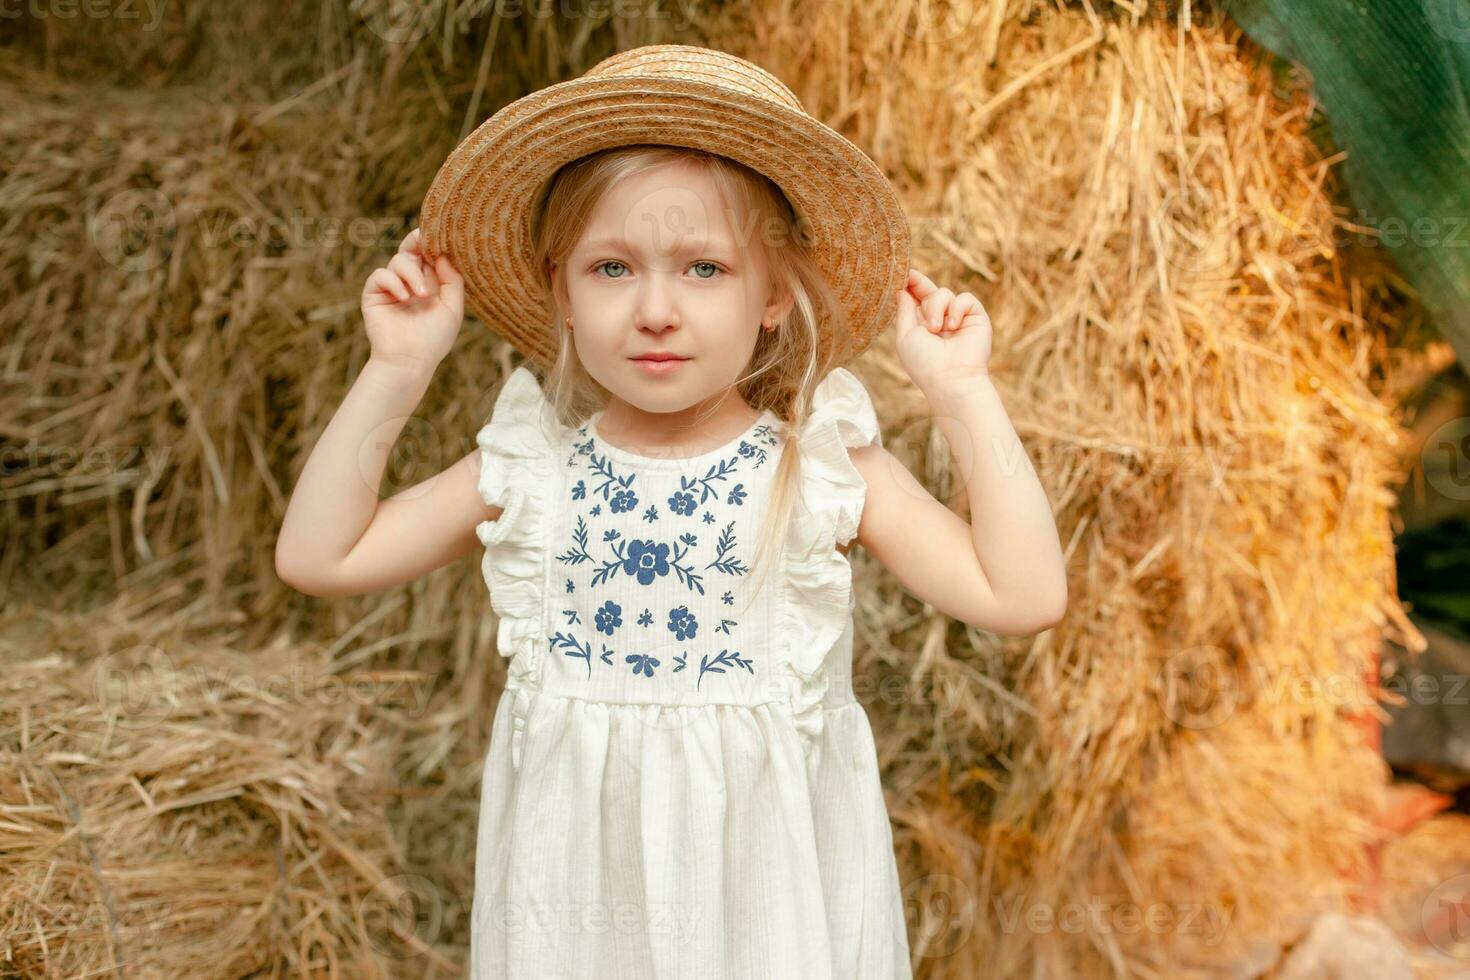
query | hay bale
(189,231)
(174,809)
(186,274)
(1179,766)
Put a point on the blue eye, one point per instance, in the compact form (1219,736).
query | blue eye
(602,266)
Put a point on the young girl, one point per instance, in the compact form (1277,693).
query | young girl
(680,781)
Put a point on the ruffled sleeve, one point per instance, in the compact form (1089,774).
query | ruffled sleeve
(819,599)
(518,450)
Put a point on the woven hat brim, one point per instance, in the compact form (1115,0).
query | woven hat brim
(478,208)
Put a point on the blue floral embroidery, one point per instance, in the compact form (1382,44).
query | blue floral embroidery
(642,663)
(730,566)
(646,560)
(682,623)
(603,468)
(568,643)
(577,555)
(717,471)
(686,575)
(583,448)
(649,559)
(718,664)
(763,434)
(609,617)
(623,500)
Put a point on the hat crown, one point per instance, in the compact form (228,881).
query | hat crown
(697,65)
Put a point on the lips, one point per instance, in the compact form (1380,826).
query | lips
(659,365)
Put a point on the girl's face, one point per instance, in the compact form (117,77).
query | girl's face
(661,268)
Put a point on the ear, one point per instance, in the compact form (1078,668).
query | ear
(779,307)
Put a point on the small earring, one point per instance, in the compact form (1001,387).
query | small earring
(569,323)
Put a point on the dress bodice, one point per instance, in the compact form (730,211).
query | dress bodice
(631,579)
(658,600)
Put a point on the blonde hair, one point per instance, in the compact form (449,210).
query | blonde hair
(788,362)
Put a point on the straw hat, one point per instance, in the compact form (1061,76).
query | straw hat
(478,209)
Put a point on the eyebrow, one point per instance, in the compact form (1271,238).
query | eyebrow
(718,245)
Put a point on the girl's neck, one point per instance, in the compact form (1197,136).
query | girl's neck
(634,430)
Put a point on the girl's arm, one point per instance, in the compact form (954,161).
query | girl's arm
(337,537)
(1004,571)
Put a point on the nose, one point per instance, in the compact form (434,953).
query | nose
(657,309)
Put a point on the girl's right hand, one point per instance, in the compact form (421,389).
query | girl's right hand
(413,311)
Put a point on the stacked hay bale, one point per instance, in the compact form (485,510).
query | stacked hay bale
(177,808)
(192,206)
(191,211)
(1176,773)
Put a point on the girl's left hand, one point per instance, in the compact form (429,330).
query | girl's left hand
(953,345)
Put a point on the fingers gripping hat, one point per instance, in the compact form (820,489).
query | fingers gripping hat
(479,207)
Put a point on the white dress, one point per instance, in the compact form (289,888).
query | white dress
(680,783)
